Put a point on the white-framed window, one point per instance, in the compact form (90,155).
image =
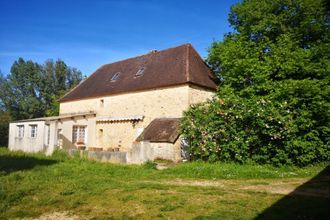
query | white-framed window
(59,138)
(115,77)
(34,130)
(140,72)
(20,131)
(48,134)
(79,134)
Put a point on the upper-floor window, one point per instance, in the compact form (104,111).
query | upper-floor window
(20,131)
(34,130)
(115,77)
(140,72)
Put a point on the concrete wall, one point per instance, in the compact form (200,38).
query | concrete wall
(32,144)
(112,157)
(144,151)
(138,154)
(52,137)
(166,151)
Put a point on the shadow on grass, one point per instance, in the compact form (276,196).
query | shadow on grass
(308,201)
(9,163)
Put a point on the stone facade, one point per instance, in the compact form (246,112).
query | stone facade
(164,102)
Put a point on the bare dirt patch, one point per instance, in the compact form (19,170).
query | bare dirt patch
(57,216)
(271,186)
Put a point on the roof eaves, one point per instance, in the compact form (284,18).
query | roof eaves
(54,118)
(125,92)
(187,62)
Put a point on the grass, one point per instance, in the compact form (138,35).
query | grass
(33,184)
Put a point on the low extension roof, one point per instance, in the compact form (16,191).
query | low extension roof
(173,66)
(119,119)
(161,130)
(60,117)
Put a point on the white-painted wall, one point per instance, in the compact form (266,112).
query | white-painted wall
(67,125)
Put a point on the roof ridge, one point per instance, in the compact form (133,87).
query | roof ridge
(97,70)
(173,66)
(187,62)
(210,72)
(145,54)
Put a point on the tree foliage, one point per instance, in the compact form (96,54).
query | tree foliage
(32,90)
(4,126)
(272,105)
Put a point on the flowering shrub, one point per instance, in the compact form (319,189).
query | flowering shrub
(259,129)
(273,100)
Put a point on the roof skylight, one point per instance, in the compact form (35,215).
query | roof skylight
(140,72)
(115,77)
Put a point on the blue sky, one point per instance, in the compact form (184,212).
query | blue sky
(88,34)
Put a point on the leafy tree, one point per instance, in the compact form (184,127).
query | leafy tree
(272,105)
(58,79)
(20,91)
(32,90)
(4,126)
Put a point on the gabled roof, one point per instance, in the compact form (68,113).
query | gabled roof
(173,66)
(161,130)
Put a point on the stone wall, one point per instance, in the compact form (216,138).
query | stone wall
(198,94)
(164,102)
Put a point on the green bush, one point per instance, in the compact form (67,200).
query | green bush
(149,165)
(4,127)
(272,104)
(259,129)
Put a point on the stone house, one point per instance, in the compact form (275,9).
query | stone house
(132,106)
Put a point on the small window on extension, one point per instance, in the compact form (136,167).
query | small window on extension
(140,72)
(115,77)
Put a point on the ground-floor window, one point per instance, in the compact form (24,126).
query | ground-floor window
(20,131)
(48,134)
(33,129)
(79,134)
(59,138)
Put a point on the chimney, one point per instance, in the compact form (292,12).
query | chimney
(152,51)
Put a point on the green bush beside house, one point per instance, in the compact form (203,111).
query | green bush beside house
(272,105)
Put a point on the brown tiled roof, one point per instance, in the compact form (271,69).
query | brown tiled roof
(173,66)
(161,130)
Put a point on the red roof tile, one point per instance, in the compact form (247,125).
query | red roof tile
(173,66)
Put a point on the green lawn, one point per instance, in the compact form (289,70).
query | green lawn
(33,185)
